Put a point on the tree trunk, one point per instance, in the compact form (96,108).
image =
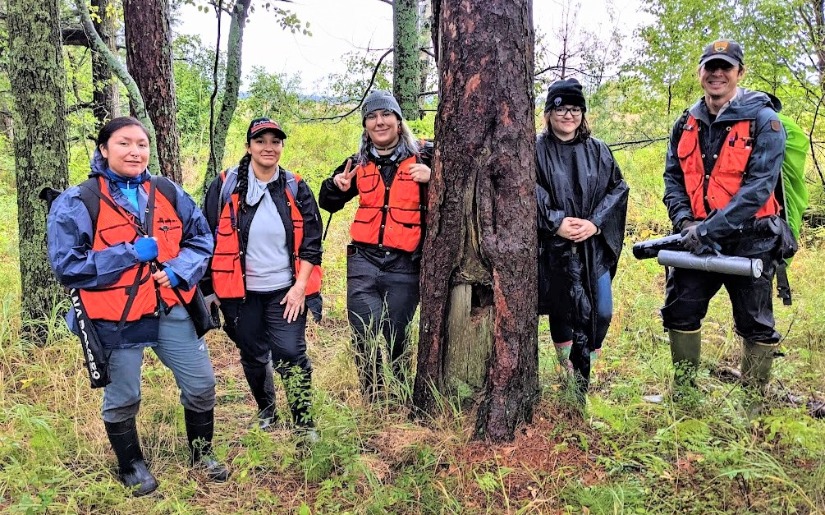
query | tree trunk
(38,81)
(149,60)
(232,84)
(106,98)
(406,66)
(478,286)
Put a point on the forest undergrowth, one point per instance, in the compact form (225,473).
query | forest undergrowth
(623,455)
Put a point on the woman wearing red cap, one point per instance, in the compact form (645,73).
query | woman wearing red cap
(266,269)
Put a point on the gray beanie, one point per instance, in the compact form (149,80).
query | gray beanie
(379,99)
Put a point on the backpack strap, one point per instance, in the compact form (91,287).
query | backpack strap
(292,183)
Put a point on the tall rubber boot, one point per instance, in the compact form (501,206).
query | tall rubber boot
(580,360)
(369,363)
(200,427)
(132,470)
(299,393)
(685,349)
(563,355)
(757,361)
(261,384)
(298,385)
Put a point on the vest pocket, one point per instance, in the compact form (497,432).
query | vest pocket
(225,262)
(365,215)
(406,217)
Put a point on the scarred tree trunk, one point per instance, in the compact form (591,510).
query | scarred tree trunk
(478,287)
(38,81)
(406,66)
(149,59)
(105,98)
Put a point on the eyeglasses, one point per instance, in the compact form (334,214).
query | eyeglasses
(562,111)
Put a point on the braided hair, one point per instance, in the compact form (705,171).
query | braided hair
(243,180)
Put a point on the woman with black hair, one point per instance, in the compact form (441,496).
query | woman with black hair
(582,206)
(126,240)
(266,269)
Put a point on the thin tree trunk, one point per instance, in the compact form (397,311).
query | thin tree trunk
(479,267)
(106,98)
(38,82)
(149,60)
(406,66)
(135,97)
(232,84)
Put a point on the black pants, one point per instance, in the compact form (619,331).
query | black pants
(379,303)
(689,292)
(266,341)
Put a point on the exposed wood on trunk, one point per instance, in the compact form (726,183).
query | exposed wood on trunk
(481,240)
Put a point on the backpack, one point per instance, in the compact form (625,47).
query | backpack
(793,196)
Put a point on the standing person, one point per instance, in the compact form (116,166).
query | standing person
(582,206)
(265,269)
(723,163)
(99,242)
(389,175)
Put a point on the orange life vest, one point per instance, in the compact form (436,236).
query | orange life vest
(135,294)
(388,216)
(227,265)
(725,179)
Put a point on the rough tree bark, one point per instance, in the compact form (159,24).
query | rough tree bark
(232,84)
(149,60)
(38,81)
(135,98)
(105,99)
(406,66)
(478,288)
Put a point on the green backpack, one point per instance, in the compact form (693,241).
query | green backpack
(794,194)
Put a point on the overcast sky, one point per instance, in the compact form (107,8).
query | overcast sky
(341,26)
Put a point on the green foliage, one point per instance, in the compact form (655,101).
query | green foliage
(273,95)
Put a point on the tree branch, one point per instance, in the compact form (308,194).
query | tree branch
(360,102)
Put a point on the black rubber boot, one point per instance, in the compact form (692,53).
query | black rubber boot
(262,386)
(132,470)
(298,385)
(580,359)
(200,427)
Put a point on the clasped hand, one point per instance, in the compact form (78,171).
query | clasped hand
(576,229)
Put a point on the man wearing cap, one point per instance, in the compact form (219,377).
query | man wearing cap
(723,163)
(389,174)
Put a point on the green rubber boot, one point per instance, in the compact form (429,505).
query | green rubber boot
(757,361)
(685,348)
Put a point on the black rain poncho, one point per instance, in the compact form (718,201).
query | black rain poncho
(577,179)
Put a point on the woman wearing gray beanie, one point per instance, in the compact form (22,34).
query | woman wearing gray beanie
(582,205)
(389,175)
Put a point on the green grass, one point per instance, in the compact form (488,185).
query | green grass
(624,455)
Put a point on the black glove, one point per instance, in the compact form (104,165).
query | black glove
(694,239)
